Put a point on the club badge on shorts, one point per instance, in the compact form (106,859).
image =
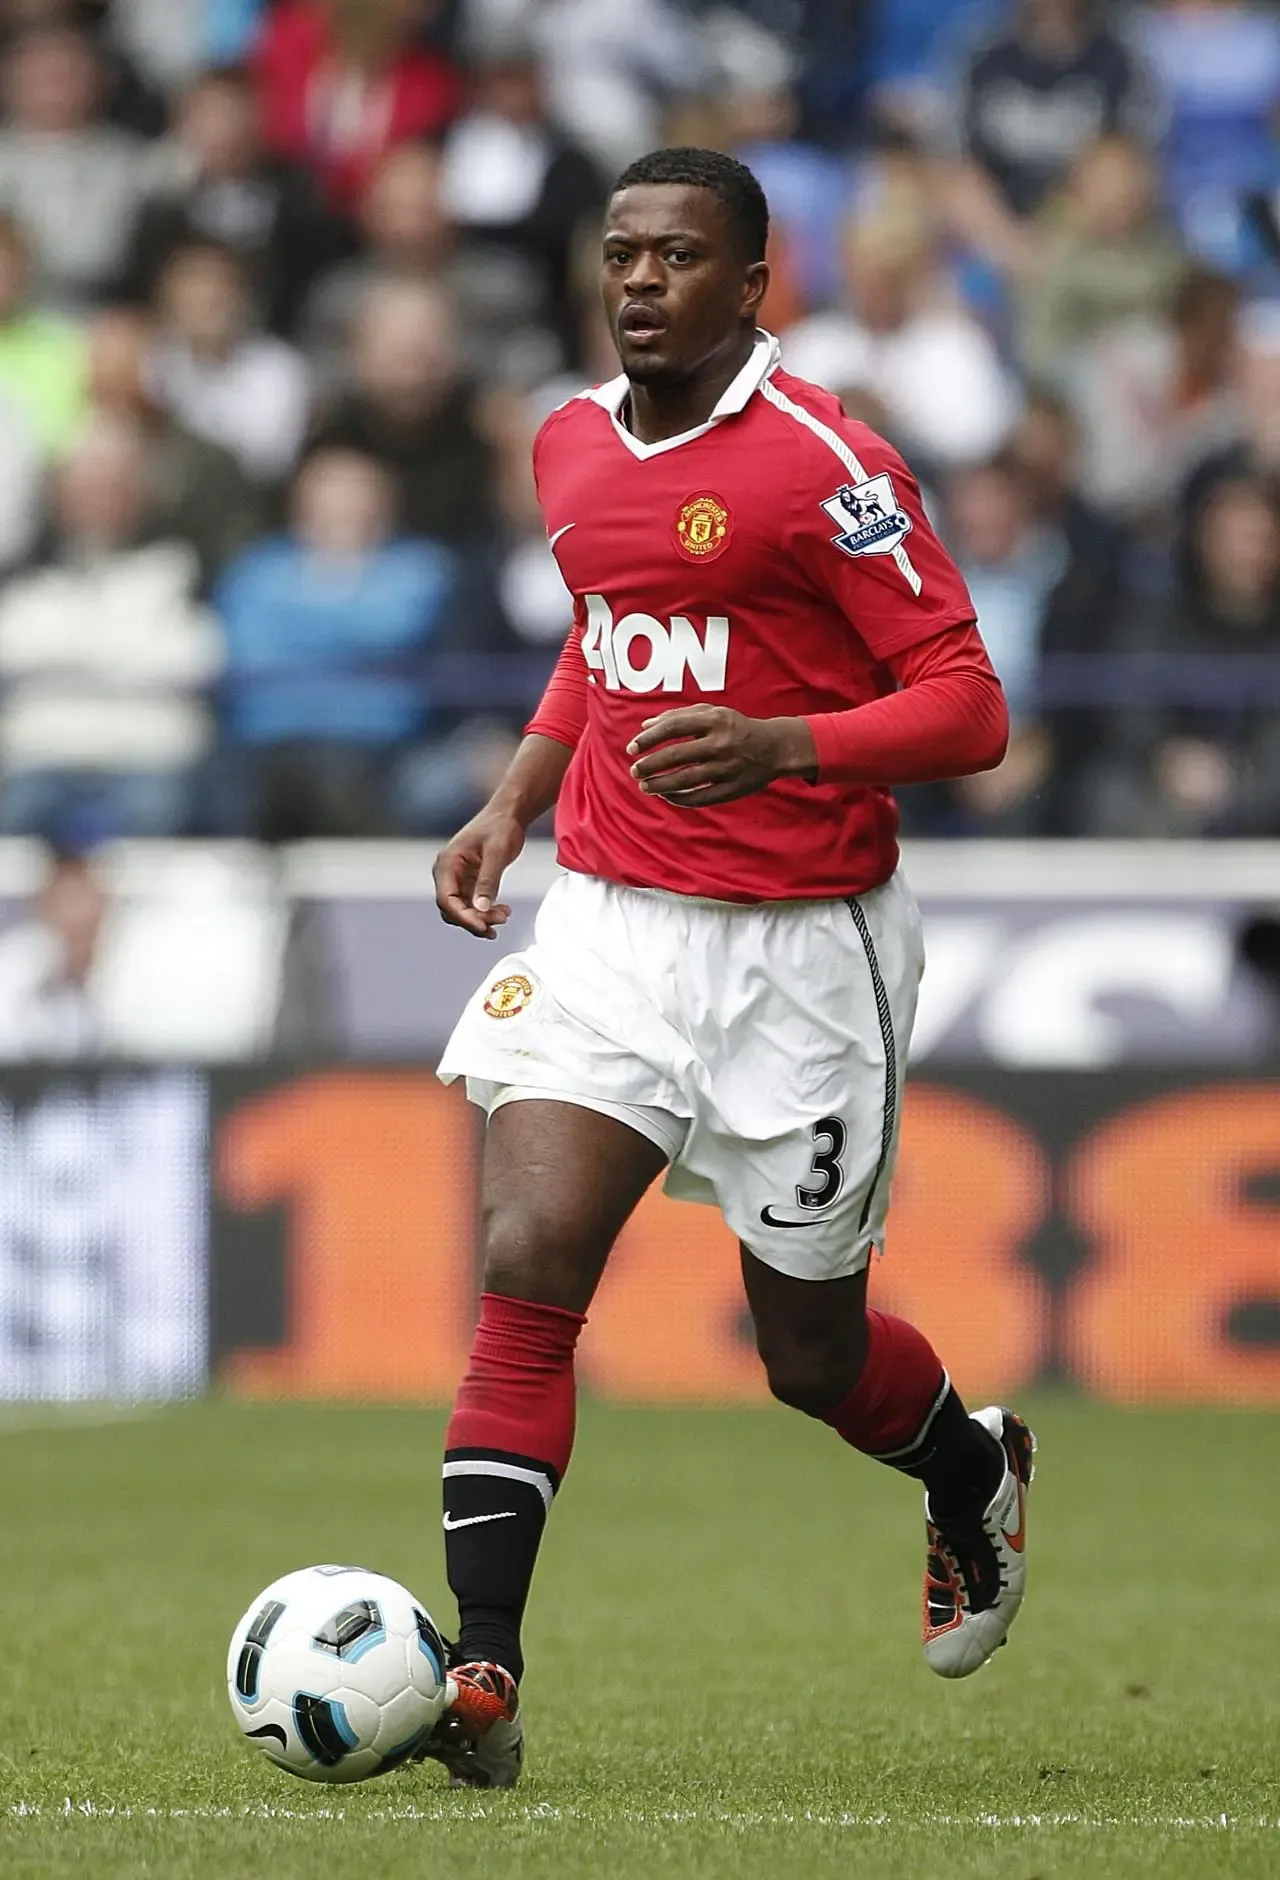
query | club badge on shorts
(702,527)
(869,517)
(507,998)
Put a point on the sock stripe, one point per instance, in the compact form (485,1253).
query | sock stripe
(507,1471)
(484,1452)
(895,1457)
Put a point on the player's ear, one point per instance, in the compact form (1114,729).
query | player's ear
(754,288)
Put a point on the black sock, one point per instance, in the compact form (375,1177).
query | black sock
(960,1463)
(495,1508)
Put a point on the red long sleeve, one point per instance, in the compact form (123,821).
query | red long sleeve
(949,719)
(562,710)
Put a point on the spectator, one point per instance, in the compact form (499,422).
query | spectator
(911,44)
(199,492)
(127,99)
(808,188)
(1105,259)
(609,67)
(162,39)
(74,182)
(50,1004)
(1217,66)
(536,606)
(103,654)
(1153,400)
(216,375)
(514,183)
(1031,600)
(933,368)
(342,81)
(408,236)
(227,190)
(1048,85)
(1185,769)
(1254,449)
(409,407)
(1045,447)
(324,630)
(42,363)
(1012,566)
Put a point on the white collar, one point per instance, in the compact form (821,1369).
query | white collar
(765,358)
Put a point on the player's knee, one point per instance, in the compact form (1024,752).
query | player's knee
(532,1252)
(813,1373)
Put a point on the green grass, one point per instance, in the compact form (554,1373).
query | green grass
(725,1674)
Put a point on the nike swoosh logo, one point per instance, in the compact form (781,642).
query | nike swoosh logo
(473,1520)
(770,1219)
(1018,1540)
(553,539)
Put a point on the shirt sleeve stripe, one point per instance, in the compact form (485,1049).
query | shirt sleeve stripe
(852,463)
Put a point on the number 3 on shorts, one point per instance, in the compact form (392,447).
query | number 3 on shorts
(830,1134)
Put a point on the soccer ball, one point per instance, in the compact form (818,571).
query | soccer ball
(336,1673)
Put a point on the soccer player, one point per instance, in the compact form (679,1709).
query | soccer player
(767,636)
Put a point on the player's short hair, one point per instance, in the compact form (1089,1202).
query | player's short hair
(745,206)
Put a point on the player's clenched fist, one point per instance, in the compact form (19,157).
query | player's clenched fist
(709,754)
(469,870)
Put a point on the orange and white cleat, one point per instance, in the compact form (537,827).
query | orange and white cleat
(976,1569)
(480,1738)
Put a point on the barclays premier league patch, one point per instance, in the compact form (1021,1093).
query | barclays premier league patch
(868,517)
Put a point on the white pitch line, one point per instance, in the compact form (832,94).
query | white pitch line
(86,1810)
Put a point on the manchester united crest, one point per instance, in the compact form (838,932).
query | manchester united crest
(702,528)
(507,998)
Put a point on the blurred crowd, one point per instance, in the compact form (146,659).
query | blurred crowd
(286,290)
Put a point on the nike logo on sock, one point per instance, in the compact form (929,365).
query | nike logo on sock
(553,539)
(474,1520)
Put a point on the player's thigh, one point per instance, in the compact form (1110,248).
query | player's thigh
(559,1184)
(811,1334)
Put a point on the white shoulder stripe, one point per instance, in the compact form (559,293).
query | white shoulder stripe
(852,463)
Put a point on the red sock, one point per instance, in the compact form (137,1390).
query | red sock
(890,1409)
(506,1451)
(518,1394)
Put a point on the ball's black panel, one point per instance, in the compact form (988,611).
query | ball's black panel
(271,1730)
(323,1728)
(430,1640)
(251,1651)
(344,1634)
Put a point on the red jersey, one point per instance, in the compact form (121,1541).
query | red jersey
(338,123)
(771,560)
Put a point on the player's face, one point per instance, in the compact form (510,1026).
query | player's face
(676,291)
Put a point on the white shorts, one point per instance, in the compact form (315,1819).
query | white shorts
(762,1048)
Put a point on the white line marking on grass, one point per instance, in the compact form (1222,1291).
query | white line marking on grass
(745,1819)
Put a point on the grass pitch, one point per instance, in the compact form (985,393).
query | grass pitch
(725,1673)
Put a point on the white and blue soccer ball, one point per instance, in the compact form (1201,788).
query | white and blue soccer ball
(336,1673)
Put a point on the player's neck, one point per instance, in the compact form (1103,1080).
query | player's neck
(654,412)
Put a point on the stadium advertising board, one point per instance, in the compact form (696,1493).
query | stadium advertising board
(312,1233)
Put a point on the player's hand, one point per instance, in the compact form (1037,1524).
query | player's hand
(469,870)
(704,754)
